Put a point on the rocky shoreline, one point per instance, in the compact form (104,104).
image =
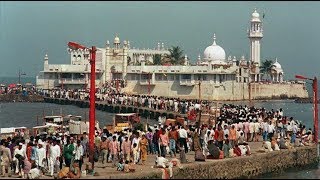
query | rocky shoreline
(20,98)
(305,100)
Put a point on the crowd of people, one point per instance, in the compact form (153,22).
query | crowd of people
(230,135)
(25,90)
(177,105)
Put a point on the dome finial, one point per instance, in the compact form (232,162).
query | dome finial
(214,39)
(276,59)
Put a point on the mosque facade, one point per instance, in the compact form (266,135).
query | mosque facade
(213,77)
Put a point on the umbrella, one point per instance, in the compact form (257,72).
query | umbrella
(12,85)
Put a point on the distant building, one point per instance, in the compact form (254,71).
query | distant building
(213,77)
(111,64)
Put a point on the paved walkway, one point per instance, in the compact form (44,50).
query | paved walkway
(106,171)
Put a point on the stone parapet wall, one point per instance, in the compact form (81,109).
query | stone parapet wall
(225,91)
(239,167)
(20,98)
(278,91)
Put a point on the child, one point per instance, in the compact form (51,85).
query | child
(132,167)
(135,153)
(34,173)
(120,165)
(126,167)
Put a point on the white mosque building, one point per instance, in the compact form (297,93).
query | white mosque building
(213,77)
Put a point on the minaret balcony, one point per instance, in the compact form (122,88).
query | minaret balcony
(255,34)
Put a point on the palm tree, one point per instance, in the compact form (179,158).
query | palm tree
(157,59)
(175,55)
(265,67)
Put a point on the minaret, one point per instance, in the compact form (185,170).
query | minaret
(116,42)
(46,62)
(255,35)
(124,59)
(186,63)
(107,72)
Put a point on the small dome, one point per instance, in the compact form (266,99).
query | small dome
(276,65)
(214,52)
(116,40)
(255,16)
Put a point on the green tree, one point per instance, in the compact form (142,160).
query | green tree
(157,59)
(265,67)
(175,55)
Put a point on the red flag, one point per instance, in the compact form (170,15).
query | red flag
(74,46)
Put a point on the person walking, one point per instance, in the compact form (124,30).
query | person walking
(183,135)
(104,149)
(6,158)
(164,140)
(232,136)
(54,156)
(126,148)
(114,150)
(173,138)
(143,143)
(68,152)
(41,156)
(271,130)
(78,157)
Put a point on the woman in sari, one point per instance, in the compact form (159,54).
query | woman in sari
(143,148)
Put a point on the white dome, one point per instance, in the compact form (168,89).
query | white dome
(214,52)
(276,65)
(116,40)
(255,16)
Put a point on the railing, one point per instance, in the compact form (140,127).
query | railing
(187,82)
(72,81)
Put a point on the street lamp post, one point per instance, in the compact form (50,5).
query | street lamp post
(92,113)
(315,105)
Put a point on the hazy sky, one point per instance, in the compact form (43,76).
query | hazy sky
(29,30)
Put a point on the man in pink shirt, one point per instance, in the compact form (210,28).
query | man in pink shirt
(164,140)
(126,148)
(114,149)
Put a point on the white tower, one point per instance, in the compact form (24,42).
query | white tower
(255,35)
(46,62)
(116,42)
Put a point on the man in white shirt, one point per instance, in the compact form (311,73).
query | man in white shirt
(162,162)
(271,130)
(265,128)
(251,130)
(294,133)
(20,151)
(41,155)
(183,135)
(54,156)
(79,153)
(256,131)
(226,131)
